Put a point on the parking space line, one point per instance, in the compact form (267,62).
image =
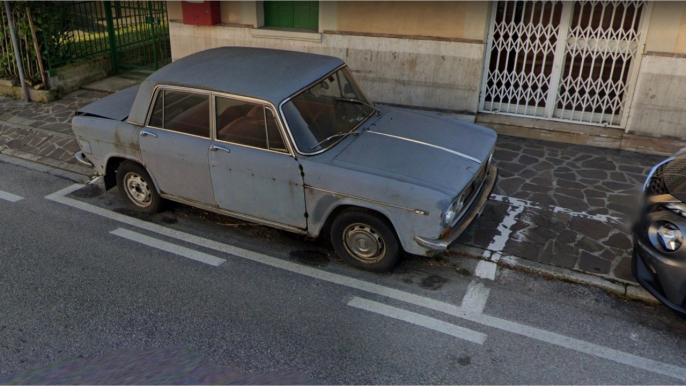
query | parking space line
(505,228)
(9,197)
(168,247)
(555,209)
(475,298)
(418,319)
(361,285)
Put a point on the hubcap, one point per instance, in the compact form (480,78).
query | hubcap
(138,190)
(364,243)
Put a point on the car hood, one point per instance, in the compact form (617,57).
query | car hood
(427,149)
(673,175)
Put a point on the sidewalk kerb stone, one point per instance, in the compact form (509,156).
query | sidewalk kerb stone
(78,169)
(620,287)
(638,293)
(75,177)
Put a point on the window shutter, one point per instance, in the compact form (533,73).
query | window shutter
(286,14)
(292,14)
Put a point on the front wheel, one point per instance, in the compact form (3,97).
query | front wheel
(137,187)
(366,240)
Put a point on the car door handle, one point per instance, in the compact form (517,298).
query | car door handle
(145,133)
(215,148)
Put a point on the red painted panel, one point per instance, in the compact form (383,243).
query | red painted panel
(201,12)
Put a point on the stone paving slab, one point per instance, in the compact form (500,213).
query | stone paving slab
(43,129)
(55,116)
(578,205)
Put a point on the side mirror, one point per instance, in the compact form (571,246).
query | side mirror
(348,89)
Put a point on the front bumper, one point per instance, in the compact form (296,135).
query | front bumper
(651,272)
(472,212)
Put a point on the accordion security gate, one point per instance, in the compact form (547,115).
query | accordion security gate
(569,61)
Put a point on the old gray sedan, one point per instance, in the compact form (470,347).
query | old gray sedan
(290,140)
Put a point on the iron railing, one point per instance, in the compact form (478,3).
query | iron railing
(78,32)
(135,34)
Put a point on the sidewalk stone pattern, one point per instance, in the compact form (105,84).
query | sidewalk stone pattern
(579,178)
(53,117)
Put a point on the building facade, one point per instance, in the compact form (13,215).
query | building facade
(608,74)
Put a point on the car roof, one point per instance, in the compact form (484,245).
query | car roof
(262,73)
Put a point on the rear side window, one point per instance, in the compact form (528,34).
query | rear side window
(249,124)
(183,112)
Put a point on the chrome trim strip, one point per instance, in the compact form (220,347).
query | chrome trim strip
(417,211)
(653,170)
(428,144)
(266,104)
(145,133)
(215,148)
(225,212)
(213,121)
(83,159)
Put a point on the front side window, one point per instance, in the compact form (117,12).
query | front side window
(247,123)
(183,112)
(334,105)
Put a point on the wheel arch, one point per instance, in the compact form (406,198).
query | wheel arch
(112,164)
(344,206)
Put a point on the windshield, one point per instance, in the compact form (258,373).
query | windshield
(334,105)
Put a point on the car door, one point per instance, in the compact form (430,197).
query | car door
(175,144)
(252,169)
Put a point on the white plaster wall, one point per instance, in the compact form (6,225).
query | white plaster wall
(420,73)
(659,104)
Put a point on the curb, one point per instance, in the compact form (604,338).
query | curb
(48,165)
(618,287)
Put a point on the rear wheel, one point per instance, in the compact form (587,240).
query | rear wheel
(137,187)
(366,240)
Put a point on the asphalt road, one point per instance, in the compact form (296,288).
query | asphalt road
(82,278)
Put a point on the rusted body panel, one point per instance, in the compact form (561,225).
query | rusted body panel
(100,139)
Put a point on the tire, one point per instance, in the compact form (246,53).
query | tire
(366,240)
(136,186)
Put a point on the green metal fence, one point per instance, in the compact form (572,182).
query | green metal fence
(140,33)
(79,31)
(135,34)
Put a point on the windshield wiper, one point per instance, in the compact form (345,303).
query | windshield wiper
(359,102)
(341,134)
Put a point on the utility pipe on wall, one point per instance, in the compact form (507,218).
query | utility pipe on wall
(17,54)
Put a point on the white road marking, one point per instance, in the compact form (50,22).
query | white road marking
(9,197)
(485,270)
(475,298)
(361,285)
(556,209)
(168,247)
(418,319)
(505,227)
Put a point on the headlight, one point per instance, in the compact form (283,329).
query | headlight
(670,236)
(454,208)
(677,207)
(449,215)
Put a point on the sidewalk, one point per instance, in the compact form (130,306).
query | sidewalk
(557,208)
(42,132)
